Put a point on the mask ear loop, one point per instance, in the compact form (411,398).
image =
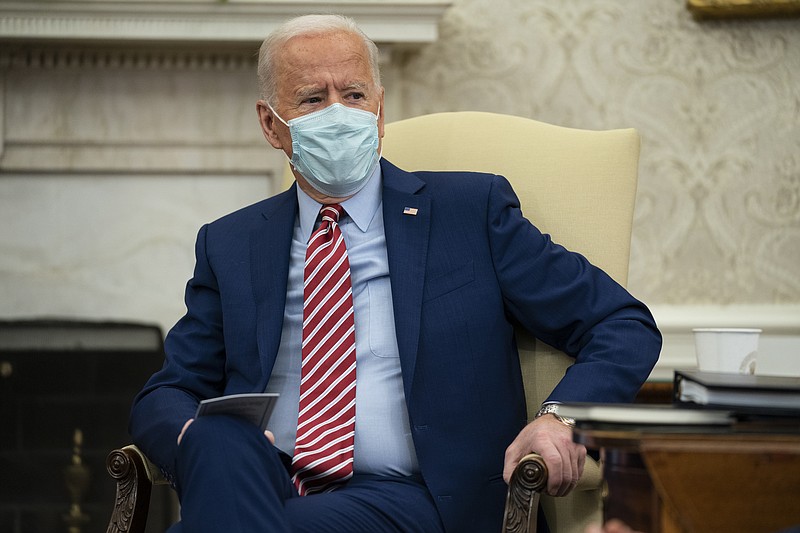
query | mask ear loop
(277,115)
(289,159)
(378,117)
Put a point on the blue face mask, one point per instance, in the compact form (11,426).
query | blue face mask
(335,149)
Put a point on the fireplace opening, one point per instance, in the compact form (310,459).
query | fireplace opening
(66,389)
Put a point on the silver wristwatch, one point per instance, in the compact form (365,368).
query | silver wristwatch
(552,409)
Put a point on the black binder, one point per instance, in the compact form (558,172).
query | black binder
(741,393)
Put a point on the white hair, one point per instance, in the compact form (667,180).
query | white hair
(307,25)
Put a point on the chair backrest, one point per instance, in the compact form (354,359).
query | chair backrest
(577,185)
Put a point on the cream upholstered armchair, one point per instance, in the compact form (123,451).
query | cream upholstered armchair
(577,185)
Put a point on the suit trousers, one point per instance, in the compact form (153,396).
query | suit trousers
(232,479)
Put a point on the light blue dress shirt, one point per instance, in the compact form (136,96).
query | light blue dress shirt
(383,443)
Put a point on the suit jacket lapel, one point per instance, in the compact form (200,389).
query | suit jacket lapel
(270,246)
(407,249)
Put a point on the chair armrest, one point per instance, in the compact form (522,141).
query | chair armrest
(522,501)
(592,477)
(528,481)
(135,476)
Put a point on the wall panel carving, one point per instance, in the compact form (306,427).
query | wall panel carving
(717,103)
(149,109)
(124,127)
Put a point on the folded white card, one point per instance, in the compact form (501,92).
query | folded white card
(255,407)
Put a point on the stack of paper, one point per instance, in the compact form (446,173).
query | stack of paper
(743,393)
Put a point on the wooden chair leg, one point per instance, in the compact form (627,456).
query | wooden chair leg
(132,503)
(522,503)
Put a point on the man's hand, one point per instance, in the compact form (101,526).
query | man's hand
(188,423)
(553,441)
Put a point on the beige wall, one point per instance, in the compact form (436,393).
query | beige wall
(110,162)
(717,104)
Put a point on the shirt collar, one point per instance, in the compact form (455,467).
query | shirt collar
(361,208)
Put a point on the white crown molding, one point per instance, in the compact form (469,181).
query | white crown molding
(207,21)
(102,39)
(772,318)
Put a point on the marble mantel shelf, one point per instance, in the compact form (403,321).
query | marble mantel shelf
(244,22)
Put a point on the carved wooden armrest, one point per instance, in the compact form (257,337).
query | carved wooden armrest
(135,476)
(522,502)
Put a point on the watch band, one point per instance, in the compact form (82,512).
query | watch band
(552,409)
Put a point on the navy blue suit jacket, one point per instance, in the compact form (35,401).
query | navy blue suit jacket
(464,271)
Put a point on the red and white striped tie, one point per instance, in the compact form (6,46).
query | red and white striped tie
(323,454)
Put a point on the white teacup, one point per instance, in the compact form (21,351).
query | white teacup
(732,350)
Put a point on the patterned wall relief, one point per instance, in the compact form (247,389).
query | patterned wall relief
(717,104)
(121,159)
(148,144)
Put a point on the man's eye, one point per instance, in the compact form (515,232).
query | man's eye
(312,100)
(356,96)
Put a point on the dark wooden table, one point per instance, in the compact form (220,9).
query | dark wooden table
(744,478)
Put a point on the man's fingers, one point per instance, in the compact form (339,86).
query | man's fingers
(553,441)
(558,472)
(573,461)
(508,469)
(270,436)
(565,465)
(514,454)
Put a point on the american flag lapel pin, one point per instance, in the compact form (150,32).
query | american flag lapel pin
(410,211)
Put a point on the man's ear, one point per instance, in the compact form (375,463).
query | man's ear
(267,120)
(380,114)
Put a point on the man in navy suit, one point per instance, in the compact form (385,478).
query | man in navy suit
(443,266)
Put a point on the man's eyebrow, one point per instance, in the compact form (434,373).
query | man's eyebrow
(313,90)
(310,90)
(360,85)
